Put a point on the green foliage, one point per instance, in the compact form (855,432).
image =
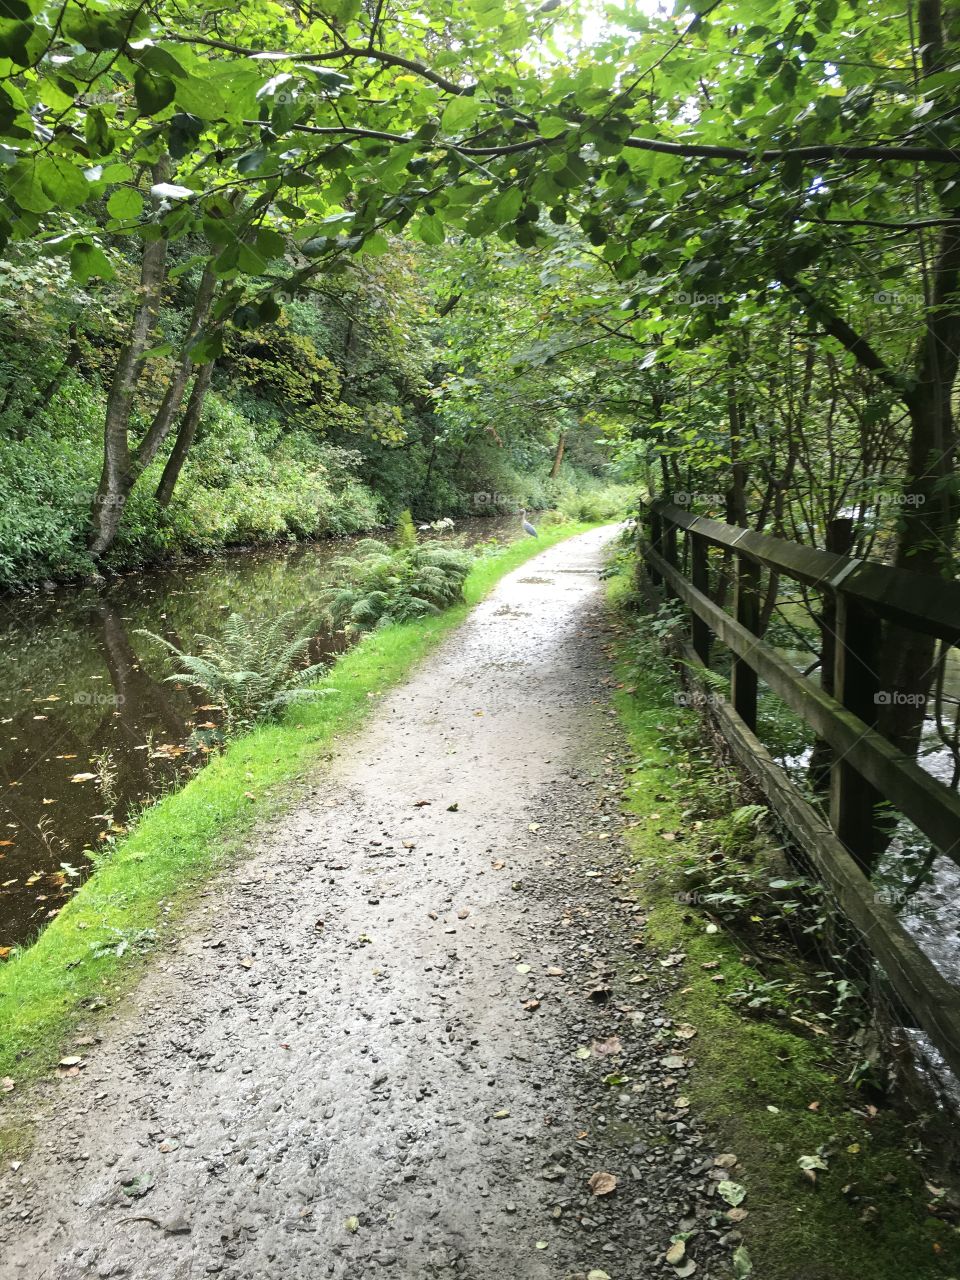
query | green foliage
(378,585)
(253,673)
(405,534)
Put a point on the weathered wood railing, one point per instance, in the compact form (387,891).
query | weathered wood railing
(865,765)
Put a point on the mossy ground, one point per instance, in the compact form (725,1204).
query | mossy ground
(773,1089)
(96,946)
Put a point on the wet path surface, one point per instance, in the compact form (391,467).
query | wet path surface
(365,1053)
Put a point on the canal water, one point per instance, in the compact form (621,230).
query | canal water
(90,732)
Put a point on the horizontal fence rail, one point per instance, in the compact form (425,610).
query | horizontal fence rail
(865,766)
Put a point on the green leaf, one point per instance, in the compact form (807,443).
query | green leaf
(429,229)
(553,126)
(742,1265)
(732,1192)
(14,38)
(88,260)
(152,92)
(125,204)
(207,347)
(200,98)
(23,185)
(460,113)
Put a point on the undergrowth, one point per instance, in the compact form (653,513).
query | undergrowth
(837,1172)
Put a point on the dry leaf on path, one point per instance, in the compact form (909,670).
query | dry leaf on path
(602,1184)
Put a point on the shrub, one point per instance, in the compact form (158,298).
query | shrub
(253,670)
(379,584)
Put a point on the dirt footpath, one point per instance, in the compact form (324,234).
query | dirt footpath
(403,1036)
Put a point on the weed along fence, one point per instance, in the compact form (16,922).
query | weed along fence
(838,835)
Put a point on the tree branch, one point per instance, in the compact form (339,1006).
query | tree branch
(837,327)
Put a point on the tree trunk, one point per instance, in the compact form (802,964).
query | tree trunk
(44,397)
(165,416)
(116,478)
(185,434)
(558,455)
(928,518)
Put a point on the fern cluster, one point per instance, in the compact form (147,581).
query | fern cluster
(376,584)
(251,670)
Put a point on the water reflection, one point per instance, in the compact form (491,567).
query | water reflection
(89,727)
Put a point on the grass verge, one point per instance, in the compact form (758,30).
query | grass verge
(773,1089)
(96,946)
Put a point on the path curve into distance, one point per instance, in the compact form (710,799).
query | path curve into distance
(358,1055)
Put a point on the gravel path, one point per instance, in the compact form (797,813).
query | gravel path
(364,1053)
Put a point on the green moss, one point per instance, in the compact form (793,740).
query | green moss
(96,946)
(772,1089)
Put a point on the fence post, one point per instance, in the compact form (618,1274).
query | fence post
(856,684)
(670,550)
(839,539)
(700,576)
(656,542)
(743,678)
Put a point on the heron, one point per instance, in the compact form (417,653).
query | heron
(526,525)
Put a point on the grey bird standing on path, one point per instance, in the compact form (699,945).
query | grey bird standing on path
(527,526)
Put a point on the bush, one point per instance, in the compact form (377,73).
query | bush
(379,584)
(252,670)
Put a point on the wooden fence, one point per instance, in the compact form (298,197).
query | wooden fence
(865,765)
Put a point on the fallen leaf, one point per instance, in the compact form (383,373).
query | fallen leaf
(246,961)
(82,777)
(7,1083)
(685,1031)
(675,1253)
(352,1224)
(602,1184)
(742,1265)
(732,1192)
(607,1047)
(725,1161)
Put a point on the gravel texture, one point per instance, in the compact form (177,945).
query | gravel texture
(365,1051)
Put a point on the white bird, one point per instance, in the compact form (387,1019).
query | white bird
(526,525)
